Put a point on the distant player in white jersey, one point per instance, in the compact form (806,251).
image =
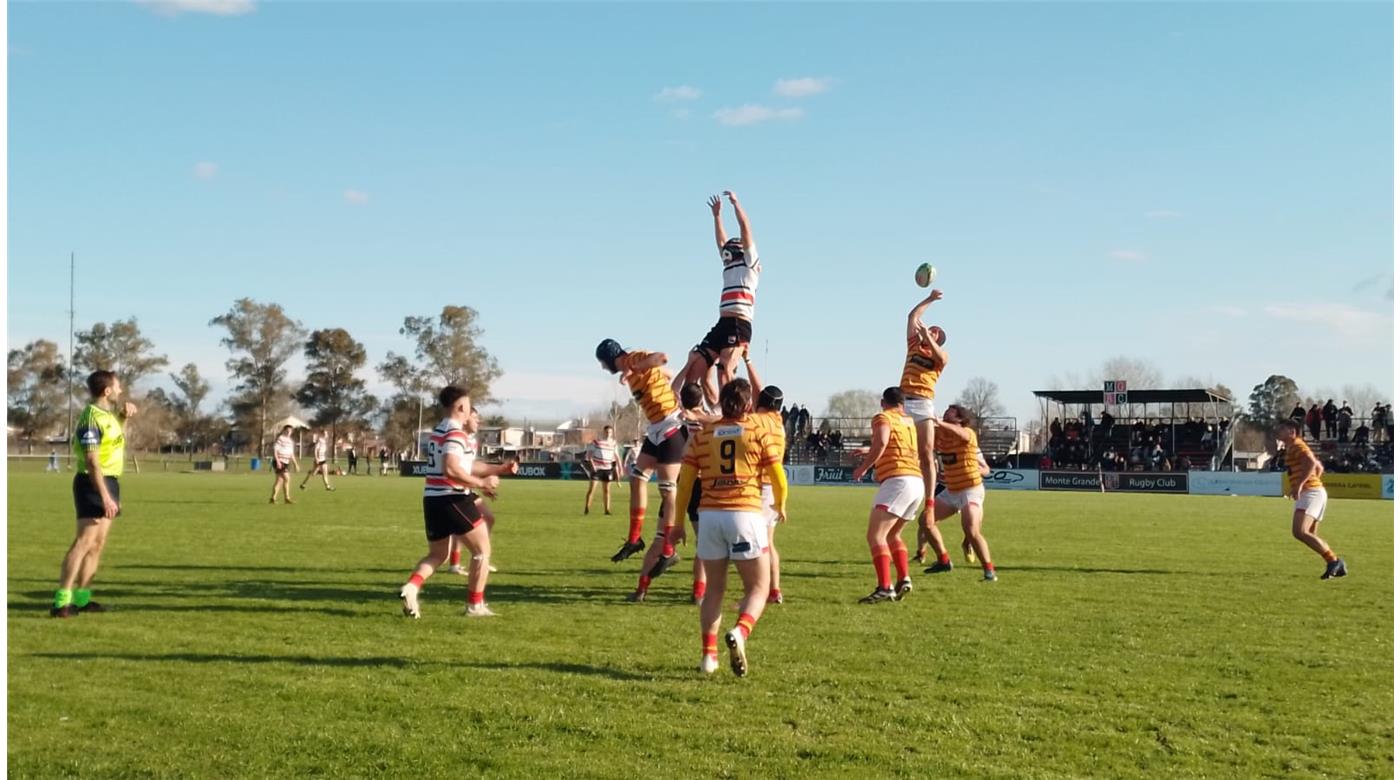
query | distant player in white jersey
(284,461)
(722,345)
(602,467)
(321,466)
(450,504)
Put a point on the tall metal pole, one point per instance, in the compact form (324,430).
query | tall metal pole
(72,306)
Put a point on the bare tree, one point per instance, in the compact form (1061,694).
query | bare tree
(980,397)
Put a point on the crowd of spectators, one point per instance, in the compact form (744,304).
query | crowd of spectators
(1345,441)
(1150,445)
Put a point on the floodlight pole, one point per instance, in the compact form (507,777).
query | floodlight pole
(72,283)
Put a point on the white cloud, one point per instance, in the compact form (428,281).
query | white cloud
(1128,255)
(803,87)
(205,170)
(357,198)
(1164,214)
(675,94)
(211,7)
(750,114)
(1343,319)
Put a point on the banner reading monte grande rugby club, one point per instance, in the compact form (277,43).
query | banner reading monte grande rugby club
(1132,482)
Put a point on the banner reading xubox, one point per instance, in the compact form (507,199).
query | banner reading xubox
(1012,479)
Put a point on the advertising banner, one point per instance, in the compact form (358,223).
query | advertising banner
(1130,482)
(1352,485)
(1388,487)
(1229,483)
(800,475)
(413,468)
(837,475)
(1012,479)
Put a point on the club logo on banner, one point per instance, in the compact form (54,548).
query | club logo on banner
(1115,392)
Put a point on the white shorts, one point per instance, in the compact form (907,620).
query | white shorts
(1313,502)
(919,408)
(768,514)
(960,499)
(902,497)
(736,536)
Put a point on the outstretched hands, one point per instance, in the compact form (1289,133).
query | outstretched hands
(715,205)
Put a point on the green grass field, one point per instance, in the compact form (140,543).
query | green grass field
(1129,635)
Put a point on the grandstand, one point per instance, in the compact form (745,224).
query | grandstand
(1153,430)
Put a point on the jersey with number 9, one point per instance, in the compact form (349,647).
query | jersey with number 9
(729,457)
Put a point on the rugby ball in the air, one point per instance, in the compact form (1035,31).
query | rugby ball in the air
(923,275)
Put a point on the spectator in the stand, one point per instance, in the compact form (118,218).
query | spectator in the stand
(1056,430)
(1208,433)
(1139,436)
(835,439)
(1109,460)
(1314,421)
(1157,457)
(1344,421)
(1088,424)
(1389,423)
(1181,463)
(1046,463)
(804,420)
(1363,434)
(1162,433)
(1329,418)
(1299,414)
(1377,421)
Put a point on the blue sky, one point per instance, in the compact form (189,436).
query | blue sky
(1206,187)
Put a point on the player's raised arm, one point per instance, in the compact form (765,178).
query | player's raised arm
(879,440)
(716,206)
(641,361)
(745,234)
(916,314)
(940,358)
(753,378)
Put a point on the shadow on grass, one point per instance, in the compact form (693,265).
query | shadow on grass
(220,658)
(42,600)
(1093,570)
(565,668)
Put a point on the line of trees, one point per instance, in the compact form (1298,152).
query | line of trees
(261,338)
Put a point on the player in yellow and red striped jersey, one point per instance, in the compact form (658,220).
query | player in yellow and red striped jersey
(664,443)
(728,459)
(924,362)
(767,407)
(962,467)
(1309,495)
(894,456)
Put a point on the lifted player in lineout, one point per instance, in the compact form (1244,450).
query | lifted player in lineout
(924,362)
(1309,496)
(726,459)
(734,330)
(664,443)
(894,456)
(963,469)
(450,506)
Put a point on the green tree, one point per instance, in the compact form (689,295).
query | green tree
(448,352)
(36,386)
(192,426)
(331,388)
(1273,400)
(261,338)
(119,348)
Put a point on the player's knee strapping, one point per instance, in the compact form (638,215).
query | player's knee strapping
(639,474)
(666,486)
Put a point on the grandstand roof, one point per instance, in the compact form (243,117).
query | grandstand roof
(1095,397)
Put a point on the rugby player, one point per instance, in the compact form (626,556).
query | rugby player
(767,407)
(695,415)
(1309,496)
(924,362)
(894,456)
(665,439)
(727,458)
(99,446)
(962,468)
(734,330)
(451,507)
(284,460)
(602,463)
(321,467)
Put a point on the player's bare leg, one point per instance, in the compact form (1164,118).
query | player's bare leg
(937,514)
(662,553)
(478,541)
(754,574)
(1305,531)
(972,532)
(775,581)
(588,498)
(437,553)
(928,468)
(881,528)
(607,497)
